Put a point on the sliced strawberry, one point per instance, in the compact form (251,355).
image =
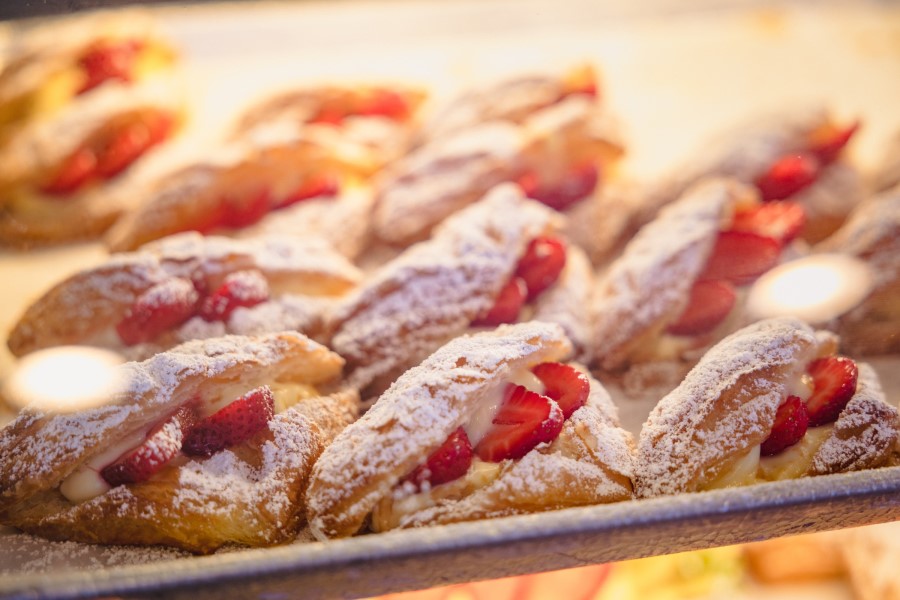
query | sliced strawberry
(709,304)
(107,60)
(132,140)
(325,185)
(740,257)
(160,308)
(541,264)
(780,220)
(787,176)
(791,423)
(384,103)
(448,463)
(76,170)
(506,307)
(162,445)
(565,384)
(525,419)
(241,288)
(827,142)
(578,183)
(246,209)
(231,425)
(834,378)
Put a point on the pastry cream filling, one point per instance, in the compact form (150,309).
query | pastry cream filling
(86,482)
(481,420)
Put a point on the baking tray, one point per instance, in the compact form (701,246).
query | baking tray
(675,72)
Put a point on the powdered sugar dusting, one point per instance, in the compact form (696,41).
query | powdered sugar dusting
(415,416)
(567,302)
(677,442)
(436,288)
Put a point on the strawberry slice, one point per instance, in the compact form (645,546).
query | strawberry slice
(158,309)
(448,463)
(578,183)
(709,304)
(384,103)
(791,423)
(105,60)
(162,445)
(525,419)
(231,425)
(506,307)
(564,384)
(780,220)
(241,288)
(827,142)
(834,379)
(325,185)
(740,257)
(245,209)
(541,264)
(76,170)
(131,140)
(787,176)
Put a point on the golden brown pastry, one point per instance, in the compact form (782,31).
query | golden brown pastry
(207,444)
(872,234)
(455,439)
(186,287)
(498,261)
(769,402)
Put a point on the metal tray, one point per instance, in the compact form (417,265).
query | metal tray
(675,72)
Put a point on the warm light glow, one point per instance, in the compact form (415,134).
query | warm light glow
(64,379)
(815,288)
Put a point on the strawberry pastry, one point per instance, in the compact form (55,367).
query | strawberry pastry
(497,261)
(187,287)
(489,425)
(555,145)
(769,402)
(209,443)
(677,287)
(872,234)
(79,105)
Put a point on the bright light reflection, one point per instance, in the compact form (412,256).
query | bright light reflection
(64,379)
(815,288)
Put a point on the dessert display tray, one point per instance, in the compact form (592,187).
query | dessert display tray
(674,73)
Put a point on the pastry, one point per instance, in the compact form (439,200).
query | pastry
(75,114)
(209,443)
(185,287)
(482,267)
(557,153)
(872,234)
(455,439)
(771,401)
(676,288)
(797,155)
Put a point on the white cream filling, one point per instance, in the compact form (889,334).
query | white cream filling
(483,417)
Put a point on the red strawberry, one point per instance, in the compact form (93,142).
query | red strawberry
(827,142)
(578,183)
(75,171)
(791,422)
(160,308)
(241,288)
(740,257)
(565,384)
(506,306)
(245,209)
(231,425)
(834,378)
(525,419)
(541,264)
(108,60)
(787,176)
(447,463)
(130,141)
(780,220)
(384,103)
(314,187)
(709,304)
(162,445)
